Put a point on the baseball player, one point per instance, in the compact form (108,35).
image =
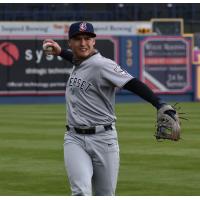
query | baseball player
(91,151)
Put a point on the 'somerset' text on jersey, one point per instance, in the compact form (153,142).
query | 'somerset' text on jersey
(90,91)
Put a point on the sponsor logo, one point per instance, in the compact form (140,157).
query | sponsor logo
(9,54)
(64,27)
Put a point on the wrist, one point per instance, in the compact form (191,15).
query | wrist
(160,104)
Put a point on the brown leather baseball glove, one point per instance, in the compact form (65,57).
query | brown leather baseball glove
(168,124)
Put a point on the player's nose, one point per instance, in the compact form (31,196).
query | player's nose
(83,41)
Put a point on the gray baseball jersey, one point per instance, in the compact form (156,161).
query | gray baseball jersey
(92,160)
(90,91)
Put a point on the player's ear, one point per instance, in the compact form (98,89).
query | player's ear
(94,41)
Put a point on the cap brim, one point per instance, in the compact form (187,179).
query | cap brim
(84,33)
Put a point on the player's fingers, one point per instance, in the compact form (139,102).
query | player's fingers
(49,41)
(47,44)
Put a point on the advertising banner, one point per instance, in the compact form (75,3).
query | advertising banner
(165,63)
(61,28)
(25,69)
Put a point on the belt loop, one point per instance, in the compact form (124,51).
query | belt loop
(108,127)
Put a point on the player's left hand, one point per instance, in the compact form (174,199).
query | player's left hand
(168,123)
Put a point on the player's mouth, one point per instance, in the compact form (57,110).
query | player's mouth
(83,49)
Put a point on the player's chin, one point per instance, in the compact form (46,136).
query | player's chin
(84,54)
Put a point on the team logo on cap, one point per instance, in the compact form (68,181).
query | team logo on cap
(83,27)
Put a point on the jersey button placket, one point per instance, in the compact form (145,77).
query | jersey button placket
(73,104)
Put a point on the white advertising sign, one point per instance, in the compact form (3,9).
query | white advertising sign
(8,29)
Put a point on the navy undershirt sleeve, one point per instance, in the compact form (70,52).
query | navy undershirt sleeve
(138,87)
(67,55)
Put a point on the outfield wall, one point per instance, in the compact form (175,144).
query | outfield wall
(165,63)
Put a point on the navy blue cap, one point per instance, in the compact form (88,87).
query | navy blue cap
(80,28)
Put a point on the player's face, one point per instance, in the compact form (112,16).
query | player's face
(82,46)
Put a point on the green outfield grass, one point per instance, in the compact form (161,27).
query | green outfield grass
(31,152)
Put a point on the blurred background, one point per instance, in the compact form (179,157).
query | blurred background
(158,43)
(190,12)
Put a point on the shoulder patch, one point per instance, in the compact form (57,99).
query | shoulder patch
(119,70)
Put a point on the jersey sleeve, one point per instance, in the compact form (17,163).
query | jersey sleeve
(111,72)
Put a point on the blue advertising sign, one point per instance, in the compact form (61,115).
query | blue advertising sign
(165,63)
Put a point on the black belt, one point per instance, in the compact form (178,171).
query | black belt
(91,130)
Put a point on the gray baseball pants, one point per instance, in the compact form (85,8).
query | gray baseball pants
(92,162)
